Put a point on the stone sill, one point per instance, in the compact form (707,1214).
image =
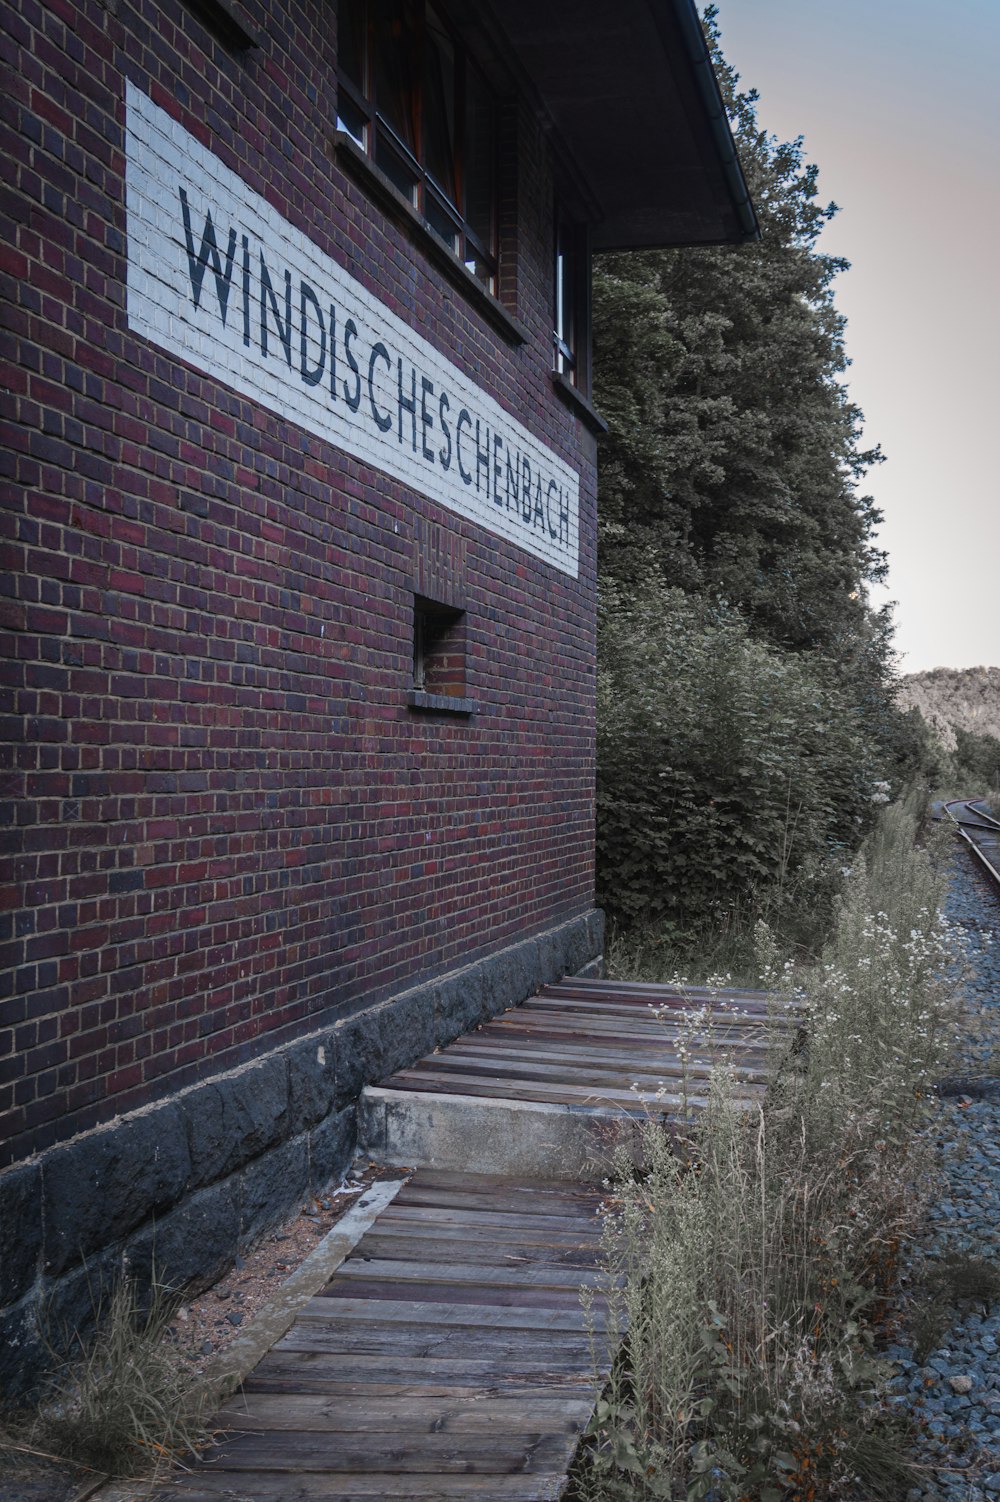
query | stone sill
(438,703)
(228,23)
(375,182)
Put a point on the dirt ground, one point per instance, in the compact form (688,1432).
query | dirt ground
(207,1324)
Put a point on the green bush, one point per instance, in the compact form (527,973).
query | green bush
(730,773)
(977,759)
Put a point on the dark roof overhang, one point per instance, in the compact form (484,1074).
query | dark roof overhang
(627,91)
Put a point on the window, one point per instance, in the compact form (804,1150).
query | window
(414,101)
(571,304)
(438,649)
(438,657)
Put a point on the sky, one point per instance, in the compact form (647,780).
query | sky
(899,106)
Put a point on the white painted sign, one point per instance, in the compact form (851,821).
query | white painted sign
(219,278)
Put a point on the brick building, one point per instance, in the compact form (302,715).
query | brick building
(299,551)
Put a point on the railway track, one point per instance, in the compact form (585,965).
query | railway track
(980,831)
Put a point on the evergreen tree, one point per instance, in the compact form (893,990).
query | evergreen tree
(747,723)
(734,449)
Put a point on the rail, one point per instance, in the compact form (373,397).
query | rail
(980,831)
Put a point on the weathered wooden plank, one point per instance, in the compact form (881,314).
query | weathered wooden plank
(435,1454)
(439,1314)
(514,1254)
(371,1283)
(433,1211)
(495,1297)
(433,1241)
(575,985)
(264,1486)
(521,1328)
(638,1011)
(339,1415)
(640,1021)
(560,1198)
(548,1041)
(408,1270)
(504,1066)
(558,1350)
(624,1006)
(363,1369)
(557,1047)
(568,1052)
(627,1103)
(622,1001)
(423,1079)
(309,1373)
(557,1050)
(437,1212)
(483,1372)
(538,1187)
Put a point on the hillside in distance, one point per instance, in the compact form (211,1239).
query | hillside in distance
(966,698)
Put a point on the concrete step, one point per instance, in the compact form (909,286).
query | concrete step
(553,1087)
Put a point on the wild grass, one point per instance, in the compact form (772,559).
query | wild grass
(128,1404)
(797,910)
(747,1274)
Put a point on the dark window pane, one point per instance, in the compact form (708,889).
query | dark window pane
(351,118)
(396,167)
(439,106)
(397,39)
(351,39)
(481,269)
(441,220)
(480,155)
(410,96)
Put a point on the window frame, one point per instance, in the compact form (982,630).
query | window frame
(571,302)
(374,135)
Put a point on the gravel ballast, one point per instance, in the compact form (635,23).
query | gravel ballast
(953,1389)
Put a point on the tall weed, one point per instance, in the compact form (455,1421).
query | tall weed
(747,1272)
(128,1404)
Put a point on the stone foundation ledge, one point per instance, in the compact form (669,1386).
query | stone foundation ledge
(180,1187)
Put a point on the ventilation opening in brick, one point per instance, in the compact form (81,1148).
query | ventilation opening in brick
(438,649)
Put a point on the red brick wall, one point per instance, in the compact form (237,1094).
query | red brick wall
(223,824)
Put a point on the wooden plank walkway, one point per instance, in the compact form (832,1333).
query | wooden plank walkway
(608,1044)
(448,1357)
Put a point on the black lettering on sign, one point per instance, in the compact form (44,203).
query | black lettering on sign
(314,376)
(426,418)
(464,414)
(267,298)
(444,454)
(198,264)
(482,458)
(246,291)
(553,531)
(538,514)
(383,420)
(513,480)
(407,405)
(351,332)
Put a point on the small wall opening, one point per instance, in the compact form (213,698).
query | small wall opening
(438,649)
